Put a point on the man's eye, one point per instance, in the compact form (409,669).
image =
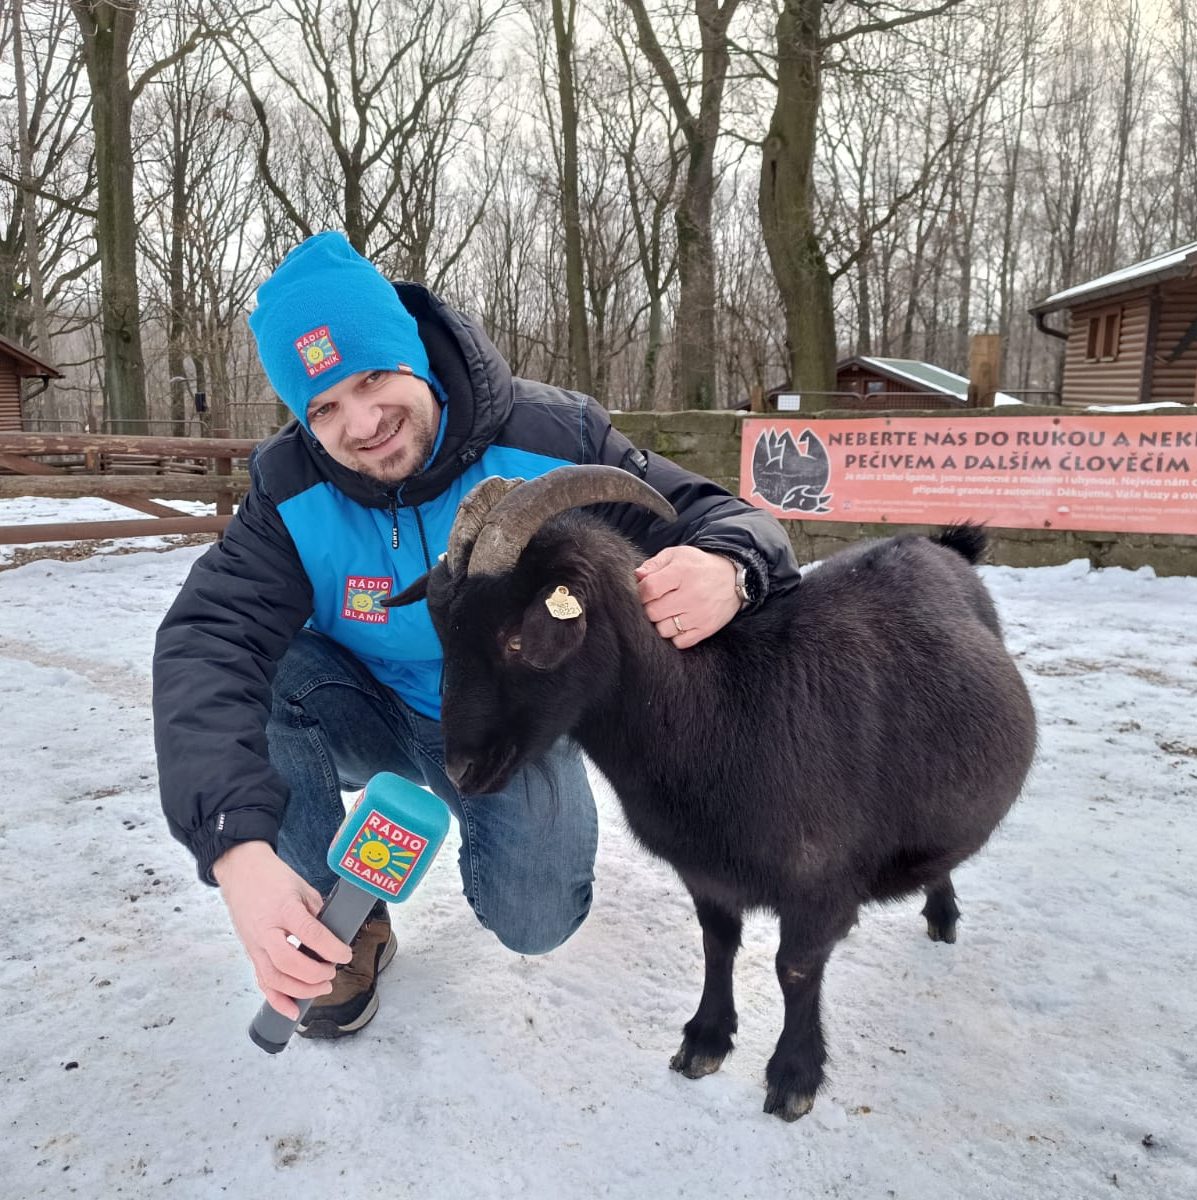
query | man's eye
(322,411)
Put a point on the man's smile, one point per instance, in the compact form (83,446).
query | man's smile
(382,440)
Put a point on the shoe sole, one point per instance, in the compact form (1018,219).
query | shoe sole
(324,1030)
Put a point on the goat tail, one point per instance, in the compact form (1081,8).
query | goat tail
(968,539)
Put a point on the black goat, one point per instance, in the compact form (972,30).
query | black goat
(853,740)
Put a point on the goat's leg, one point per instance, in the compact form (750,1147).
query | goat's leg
(795,1072)
(707,1037)
(941,910)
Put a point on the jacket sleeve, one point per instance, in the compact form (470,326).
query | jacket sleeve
(708,516)
(214,661)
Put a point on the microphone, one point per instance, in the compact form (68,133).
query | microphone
(383,849)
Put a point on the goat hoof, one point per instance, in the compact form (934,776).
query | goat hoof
(789,1106)
(693,1065)
(941,933)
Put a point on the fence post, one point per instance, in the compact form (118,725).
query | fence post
(984,364)
(223,465)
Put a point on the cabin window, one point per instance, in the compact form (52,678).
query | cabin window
(875,387)
(1101,343)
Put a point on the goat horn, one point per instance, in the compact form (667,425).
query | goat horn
(471,516)
(513,522)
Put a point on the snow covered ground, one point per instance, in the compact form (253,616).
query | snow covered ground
(1051,1053)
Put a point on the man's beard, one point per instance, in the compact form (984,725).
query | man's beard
(406,462)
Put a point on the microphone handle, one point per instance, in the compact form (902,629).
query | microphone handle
(343,914)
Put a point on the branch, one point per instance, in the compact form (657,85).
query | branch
(880,26)
(919,185)
(60,201)
(651,49)
(192,43)
(762,71)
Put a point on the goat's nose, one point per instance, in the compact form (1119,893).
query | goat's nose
(457,768)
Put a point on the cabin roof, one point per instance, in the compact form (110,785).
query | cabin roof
(1172,264)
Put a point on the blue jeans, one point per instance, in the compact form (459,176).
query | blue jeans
(527,853)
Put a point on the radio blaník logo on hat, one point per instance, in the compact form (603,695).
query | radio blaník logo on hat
(317,350)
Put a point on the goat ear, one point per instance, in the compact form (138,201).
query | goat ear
(554,626)
(410,594)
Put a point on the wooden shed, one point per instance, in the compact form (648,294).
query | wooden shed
(17,364)
(1131,335)
(878,384)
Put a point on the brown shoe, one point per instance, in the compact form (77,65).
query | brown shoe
(353,1001)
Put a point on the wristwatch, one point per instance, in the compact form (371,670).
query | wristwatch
(741,585)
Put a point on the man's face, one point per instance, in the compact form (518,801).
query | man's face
(380,423)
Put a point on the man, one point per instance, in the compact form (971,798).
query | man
(279,678)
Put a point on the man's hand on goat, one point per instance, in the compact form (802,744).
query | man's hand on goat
(273,909)
(687,593)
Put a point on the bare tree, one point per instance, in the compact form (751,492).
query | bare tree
(360,108)
(565,13)
(787,199)
(647,138)
(203,201)
(29,204)
(45,159)
(1126,24)
(1181,64)
(107,29)
(695,372)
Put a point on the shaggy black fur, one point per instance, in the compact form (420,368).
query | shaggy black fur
(853,740)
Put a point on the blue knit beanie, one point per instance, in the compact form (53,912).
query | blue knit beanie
(327,313)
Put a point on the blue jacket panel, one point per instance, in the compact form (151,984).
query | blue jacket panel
(354,571)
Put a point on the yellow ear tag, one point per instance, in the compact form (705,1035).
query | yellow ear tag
(562,605)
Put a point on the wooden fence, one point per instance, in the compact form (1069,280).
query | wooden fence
(132,471)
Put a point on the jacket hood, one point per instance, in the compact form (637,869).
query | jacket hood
(478,395)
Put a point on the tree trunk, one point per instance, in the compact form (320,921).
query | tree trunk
(29,209)
(864,299)
(652,352)
(786,201)
(107,28)
(575,281)
(1186,137)
(694,371)
(695,374)
(176,324)
(1127,111)
(696,379)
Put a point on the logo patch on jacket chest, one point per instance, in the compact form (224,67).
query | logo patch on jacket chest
(317,350)
(364,595)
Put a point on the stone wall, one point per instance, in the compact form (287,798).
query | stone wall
(708,443)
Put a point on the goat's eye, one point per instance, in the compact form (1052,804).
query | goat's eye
(513,644)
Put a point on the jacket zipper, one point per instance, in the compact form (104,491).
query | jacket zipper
(423,538)
(440,686)
(394,499)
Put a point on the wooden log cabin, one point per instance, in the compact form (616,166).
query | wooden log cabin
(883,384)
(17,364)
(1131,335)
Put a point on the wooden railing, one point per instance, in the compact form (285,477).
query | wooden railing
(132,471)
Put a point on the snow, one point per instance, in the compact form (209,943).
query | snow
(1151,406)
(1159,266)
(1052,1052)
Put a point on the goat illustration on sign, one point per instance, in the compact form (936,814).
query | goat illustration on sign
(792,475)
